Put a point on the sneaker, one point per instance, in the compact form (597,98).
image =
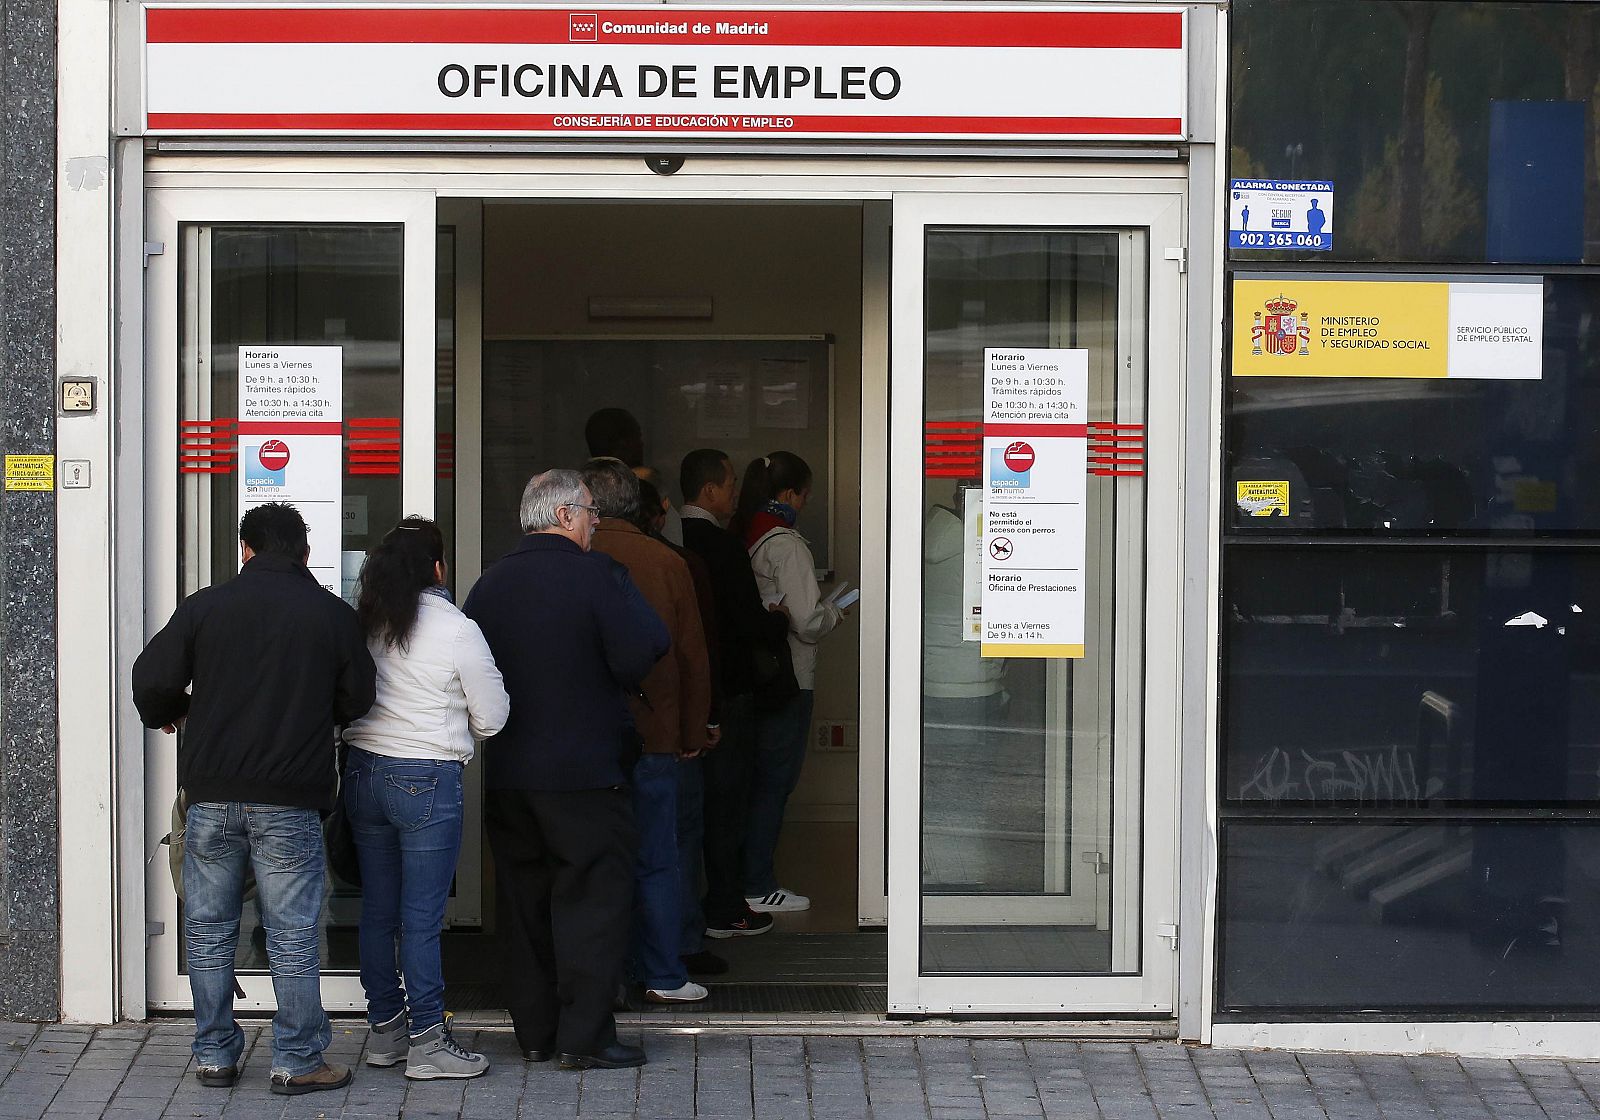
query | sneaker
(217,1077)
(434,1056)
(317,1081)
(750,925)
(689,993)
(387,1043)
(779,901)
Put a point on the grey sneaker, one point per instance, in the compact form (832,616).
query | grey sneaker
(434,1055)
(387,1043)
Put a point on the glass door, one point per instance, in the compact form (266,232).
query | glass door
(294,341)
(1035,381)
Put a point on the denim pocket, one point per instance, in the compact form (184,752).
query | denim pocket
(205,832)
(411,798)
(286,839)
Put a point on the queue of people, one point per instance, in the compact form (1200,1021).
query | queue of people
(644,704)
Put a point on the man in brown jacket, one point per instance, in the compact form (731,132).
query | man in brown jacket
(672,715)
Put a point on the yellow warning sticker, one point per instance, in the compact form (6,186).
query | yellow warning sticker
(1262,499)
(1531,495)
(30,472)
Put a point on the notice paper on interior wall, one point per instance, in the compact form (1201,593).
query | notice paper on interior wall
(291,437)
(1035,459)
(1300,325)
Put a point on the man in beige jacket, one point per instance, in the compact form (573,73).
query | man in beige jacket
(671,715)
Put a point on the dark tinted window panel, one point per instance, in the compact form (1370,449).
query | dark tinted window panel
(1386,677)
(1411,456)
(1397,917)
(1451,131)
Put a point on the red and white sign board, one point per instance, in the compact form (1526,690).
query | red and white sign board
(291,441)
(1035,455)
(1100,73)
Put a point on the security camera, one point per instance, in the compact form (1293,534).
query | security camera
(664,165)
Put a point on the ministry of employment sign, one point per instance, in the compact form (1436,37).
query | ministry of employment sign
(1035,456)
(815,73)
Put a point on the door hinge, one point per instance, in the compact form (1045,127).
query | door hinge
(1170,932)
(153,249)
(1181,255)
(1098,861)
(154,929)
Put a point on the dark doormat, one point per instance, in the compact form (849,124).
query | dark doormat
(726,999)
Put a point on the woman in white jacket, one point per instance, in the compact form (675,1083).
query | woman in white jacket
(776,489)
(438,694)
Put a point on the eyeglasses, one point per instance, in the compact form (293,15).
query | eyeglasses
(594,511)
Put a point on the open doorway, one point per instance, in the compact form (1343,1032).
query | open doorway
(737,326)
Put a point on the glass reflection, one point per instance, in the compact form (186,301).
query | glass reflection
(299,285)
(1436,915)
(1382,678)
(1018,804)
(1432,456)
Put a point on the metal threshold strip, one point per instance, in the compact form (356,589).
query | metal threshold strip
(831,1008)
(844,1025)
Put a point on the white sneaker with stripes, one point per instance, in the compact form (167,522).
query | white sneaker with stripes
(779,901)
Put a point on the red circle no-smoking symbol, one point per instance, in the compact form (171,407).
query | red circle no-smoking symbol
(274,454)
(1019,456)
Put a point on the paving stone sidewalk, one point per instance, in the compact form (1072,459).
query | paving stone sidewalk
(144,1072)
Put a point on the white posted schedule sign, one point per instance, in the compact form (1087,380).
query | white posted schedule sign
(1035,458)
(291,441)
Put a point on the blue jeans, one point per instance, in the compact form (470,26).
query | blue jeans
(780,752)
(405,815)
(285,845)
(658,909)
(691,853)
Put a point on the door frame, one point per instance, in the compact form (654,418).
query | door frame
(181,190)
(1158,210)
(167,211)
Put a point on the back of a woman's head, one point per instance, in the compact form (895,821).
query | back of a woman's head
(767,477)
(394,575)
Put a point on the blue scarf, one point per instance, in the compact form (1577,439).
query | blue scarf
(440,590)
(782,510)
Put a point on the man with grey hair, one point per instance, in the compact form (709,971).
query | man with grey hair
(674,720)
(573,640)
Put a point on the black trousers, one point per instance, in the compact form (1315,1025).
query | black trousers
(564,873)
(729,771)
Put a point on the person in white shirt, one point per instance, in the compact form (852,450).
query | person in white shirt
(439,692)
(776,489)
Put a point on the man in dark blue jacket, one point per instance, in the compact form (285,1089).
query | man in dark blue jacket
(257,671)
(573,638)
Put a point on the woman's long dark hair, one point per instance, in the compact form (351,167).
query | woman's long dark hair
(765,479)
(393,576)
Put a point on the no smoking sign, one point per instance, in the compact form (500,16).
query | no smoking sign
(274,455)
(1019,457)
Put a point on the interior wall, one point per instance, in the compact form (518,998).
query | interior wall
(783,269)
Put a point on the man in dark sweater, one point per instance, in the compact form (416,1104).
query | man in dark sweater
(572,637)
(275,662)
(744,625)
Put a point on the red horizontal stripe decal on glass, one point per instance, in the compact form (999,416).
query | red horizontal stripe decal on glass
(1109,127)
(864,28)
(290,428)
(1043,431)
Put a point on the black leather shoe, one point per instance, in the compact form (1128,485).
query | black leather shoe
(616,1056)
(540,1053)
(217,1077)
